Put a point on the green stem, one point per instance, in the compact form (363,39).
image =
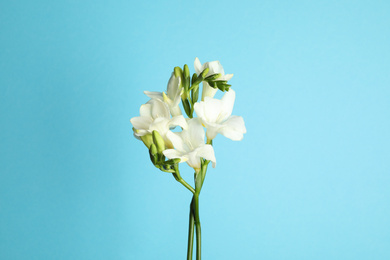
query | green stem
(197,225)
(178,177)
(190,233)
(185,184)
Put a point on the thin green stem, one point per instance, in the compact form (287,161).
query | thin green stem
(190,233)
(178,177)
(197,226)
(185,184)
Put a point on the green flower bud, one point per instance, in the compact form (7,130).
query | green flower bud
(178,72)
(195,95)
(173,161)
(153,153)
(204,72)
(187,107)
(194,77)
(158,141)
(186,78)
(213,84)
(147,139)
(212,77)
(186,71)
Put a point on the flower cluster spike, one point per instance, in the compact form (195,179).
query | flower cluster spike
(193,143)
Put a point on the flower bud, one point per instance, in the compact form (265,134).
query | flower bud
(147,139)
(213,77)
(173,161)
(195,94)
(186,106)
(204,72)
(177,71)
(194,77)
(186,71)
(158,141)
(153,153)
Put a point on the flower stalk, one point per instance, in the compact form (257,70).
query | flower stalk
(162,113)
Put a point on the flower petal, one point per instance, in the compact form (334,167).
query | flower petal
(227,105)
(172,154)
(211,132)
(173,89)
(177,142)
(208,91)
(196,132)
(141,122)
(226,77)
(159,108)
(214,68)
(154,94)
(213,108)
(178,121)
(146,110)
(234,128)
(175,111)
(207,152)
(197,66)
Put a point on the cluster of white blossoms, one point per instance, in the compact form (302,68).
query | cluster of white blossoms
(162,113)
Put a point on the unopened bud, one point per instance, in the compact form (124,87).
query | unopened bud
(186,71)
(147,140)
(153,153)
(213,77)
(177,71)
(204,72)
(173,161)
(158,141)
(194,77)
(195,95)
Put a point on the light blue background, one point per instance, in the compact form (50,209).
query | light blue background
(310,180)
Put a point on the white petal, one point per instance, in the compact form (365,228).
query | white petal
(141,122)
(199,109)
(175,111)
(207,152)
(211,132)
(228,103)
(226,77)
(208,91)
(146,110)
(196,132)
(178,121)
(193,160)
(159,109)
(177,142)
(154,94)
(234,128)
(173,89)
(141,132)
(197,66)
(212,110)
(215,67)
(161,125)
(172,154)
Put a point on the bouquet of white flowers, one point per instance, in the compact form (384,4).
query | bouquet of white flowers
(193,145)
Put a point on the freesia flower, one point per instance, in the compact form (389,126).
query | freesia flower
(190,145)
(154,115)
(214,68)
(216,116)
(172,98)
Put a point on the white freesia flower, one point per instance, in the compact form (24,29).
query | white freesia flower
(216,116)
(154,115)
(214,68)
(190,145)
(172,98)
